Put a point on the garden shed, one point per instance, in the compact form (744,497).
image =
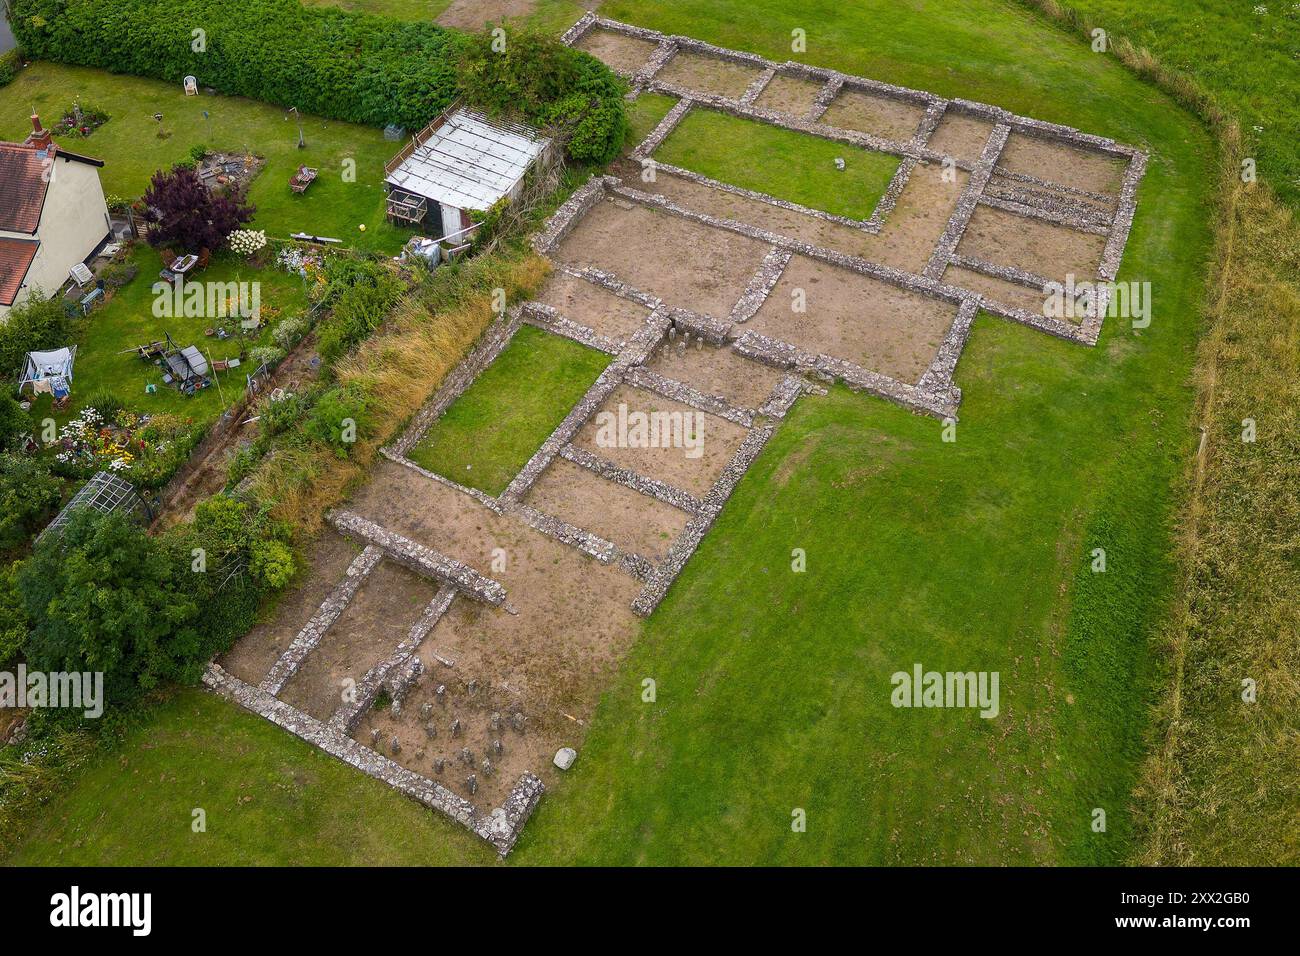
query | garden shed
(106,493)
(462,162)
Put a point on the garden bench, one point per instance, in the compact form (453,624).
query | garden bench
(89,298)
(303,178)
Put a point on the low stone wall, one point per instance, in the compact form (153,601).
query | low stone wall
(320,622)
(500,827)
(416,557)
(397,671)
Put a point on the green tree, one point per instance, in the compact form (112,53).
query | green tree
(29,494)
(104,596)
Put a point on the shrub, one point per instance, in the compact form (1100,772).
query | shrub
(358,310)
(14,423)
(337,420)
(345,66)
(271,564)
(102,595)
(289,331)
(279,416)
(9,65)
(13,619)
(185,213)
(118,274)
(573,95)
(260,355)
(29,496)
(106,403)
(36,324)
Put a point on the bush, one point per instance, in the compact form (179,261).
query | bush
(13,619)
(106,403)
(346,66)
(260,355)
(358,307)
(36,324)
(9,65)
(279,416)
(289,331)
(183,212)
(29,496)
(337,420)
(102,595)
(14,423)
(571,94)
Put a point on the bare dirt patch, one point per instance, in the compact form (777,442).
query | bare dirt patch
(633,521)
(252,657)
(1033,245)
(430,746)
(474,14)
(694,71)
(853,317)
(879,115)
(714,440)
(618,51)
(374,623)
(593,306)
(789,94)
(961,136)
(906,240)
(716,370)
(686,264)
(1061,163)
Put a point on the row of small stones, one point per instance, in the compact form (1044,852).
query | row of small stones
(939,402)
(635,352)
(965,207)
(495,750)
(485,351)
(501,827)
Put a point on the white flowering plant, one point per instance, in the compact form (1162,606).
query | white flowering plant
(247,242)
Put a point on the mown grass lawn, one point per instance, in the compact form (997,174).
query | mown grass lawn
(132,150)
(779,162)
(773,686)
(267,798)
(128,320)
(491,431)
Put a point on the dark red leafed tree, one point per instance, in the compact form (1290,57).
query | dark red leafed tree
(183,212)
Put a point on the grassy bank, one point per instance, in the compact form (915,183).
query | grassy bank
(1219,786)
(773,686)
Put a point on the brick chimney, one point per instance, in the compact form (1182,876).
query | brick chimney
(39,137)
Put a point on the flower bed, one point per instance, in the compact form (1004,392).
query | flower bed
(146,449)
(81,121)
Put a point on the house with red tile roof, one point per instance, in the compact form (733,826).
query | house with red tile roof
(52,216)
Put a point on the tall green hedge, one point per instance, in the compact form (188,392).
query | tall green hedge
(347,66)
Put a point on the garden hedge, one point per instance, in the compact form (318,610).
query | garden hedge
(342,65)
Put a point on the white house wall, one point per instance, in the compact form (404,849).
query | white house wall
(74,221)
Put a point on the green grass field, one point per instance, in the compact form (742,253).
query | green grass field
(779,162)
(127,320)
(773,686)
(132,151)
(1246,55)
(491,431)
